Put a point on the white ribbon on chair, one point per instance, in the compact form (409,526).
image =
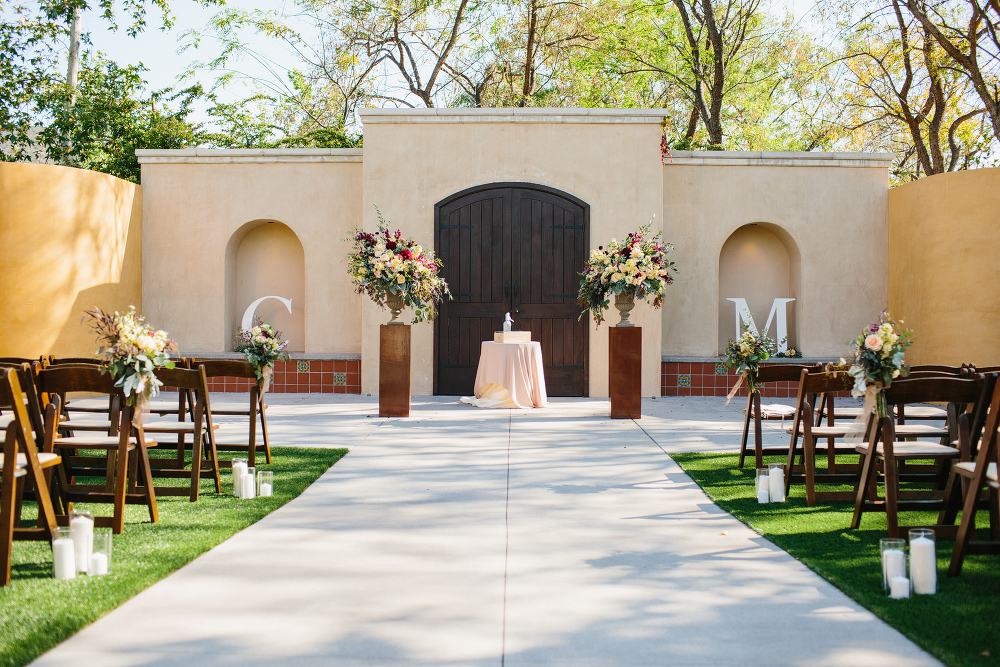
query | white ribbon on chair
(856,431)
(265,377)
(736,387)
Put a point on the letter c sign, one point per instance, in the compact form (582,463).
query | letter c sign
(252,308)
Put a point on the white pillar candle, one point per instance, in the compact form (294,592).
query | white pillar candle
(899,587)
(81,529)
(247,482)
(923,565)
(99,564)
(776,484)
(265,490)
(63,558)
(893,564)
(239,470)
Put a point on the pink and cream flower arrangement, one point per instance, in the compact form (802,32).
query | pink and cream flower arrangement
(879,358)
(637,267)
(261,344)
(384,264)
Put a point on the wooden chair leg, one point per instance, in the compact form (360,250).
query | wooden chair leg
(7,493)
(891,483)
(863,485)
(953,495)
(263,431)
(252,442)
(809,450)
(758,436)
(147,474)
(967,527)
(743,442)
(197,448)
(121,481)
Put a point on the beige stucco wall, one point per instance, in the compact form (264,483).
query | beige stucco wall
(70,240)
(608,158)
(944,232)
(833,207)
(196,200)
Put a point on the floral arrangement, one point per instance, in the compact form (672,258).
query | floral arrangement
(745,354)
(638,267)
(879,358)
(262,346)
(383,263)
(133,350)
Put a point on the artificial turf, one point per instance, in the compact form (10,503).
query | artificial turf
(37,612)
(958,625)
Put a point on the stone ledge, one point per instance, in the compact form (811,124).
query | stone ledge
(248,155)
(776,159)
(293,356)
(773,360)
(529,115)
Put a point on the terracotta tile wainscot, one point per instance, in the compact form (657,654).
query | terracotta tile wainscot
(699,376)
(303,373)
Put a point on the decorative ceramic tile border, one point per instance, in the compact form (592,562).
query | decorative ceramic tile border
(702,378)
(303,376)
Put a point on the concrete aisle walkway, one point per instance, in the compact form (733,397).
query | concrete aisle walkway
(474,537)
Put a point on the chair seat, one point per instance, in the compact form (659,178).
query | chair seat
(171,427)
(45,460)
(924,430)
(910,412)
(93,442)
(969,467)
(5,420)
(770,411)
(917,449)
(824,431)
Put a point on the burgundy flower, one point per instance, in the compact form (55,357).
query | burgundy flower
(406,254)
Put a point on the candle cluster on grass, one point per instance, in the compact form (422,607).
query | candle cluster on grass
(771,484)
(78,550)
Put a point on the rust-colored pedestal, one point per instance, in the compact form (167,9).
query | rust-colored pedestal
(625,370)
(394,371)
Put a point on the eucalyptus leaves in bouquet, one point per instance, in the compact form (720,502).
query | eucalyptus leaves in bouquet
(261,345)
(132,351)
(384,264)
(745,354)
(637,267)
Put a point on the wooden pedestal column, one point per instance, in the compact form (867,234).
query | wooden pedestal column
(625,371)
(394,371)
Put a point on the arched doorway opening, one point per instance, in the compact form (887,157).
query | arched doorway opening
(518,248)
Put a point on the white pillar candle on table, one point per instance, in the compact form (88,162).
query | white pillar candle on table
(899,587)
(923,565)
(81,529)
(98,564)
(63,558)
(265,490)
(776,484)
(247,483)
(893,564)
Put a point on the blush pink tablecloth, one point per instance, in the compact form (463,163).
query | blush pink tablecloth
(517,367)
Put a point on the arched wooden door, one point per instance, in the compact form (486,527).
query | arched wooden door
(518,248)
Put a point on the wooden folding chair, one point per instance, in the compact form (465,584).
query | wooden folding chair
(257,408)
(968,483)
(127,474)
(885,449)
(21,459)
(756,412)
(200,430)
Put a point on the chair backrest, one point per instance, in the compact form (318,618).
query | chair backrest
(63,379)
(17,361)
(54,361)
(940,389)
(942,370)
(226,368)
(12,398)
(189,380)
(780,372)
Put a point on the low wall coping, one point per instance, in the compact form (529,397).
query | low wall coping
(773,360)
(247,155)
(527,115)
(294,356)
(776,159)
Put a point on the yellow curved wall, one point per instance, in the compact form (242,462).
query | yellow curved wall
(944,234)
(70,240)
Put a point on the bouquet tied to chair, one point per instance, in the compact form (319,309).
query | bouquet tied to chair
(132,350)
(744,355)
(638,267)
(879,358)
(261,345)
(396,272)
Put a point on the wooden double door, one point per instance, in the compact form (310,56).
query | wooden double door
(518,248)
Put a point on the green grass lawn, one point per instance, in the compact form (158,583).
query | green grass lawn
(37,612)
(959,625)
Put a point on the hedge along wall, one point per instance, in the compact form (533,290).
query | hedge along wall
(944,234)
(70,240)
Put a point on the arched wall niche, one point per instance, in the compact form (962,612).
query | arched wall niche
(759,262)
(265,258)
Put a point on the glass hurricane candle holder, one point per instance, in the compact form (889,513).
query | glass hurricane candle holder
(81,529)
(63,554)
(265,483)
(100,560)
(893,560)
(923,561)
(248,482)
(776,482)
(239,469)
(761,486)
